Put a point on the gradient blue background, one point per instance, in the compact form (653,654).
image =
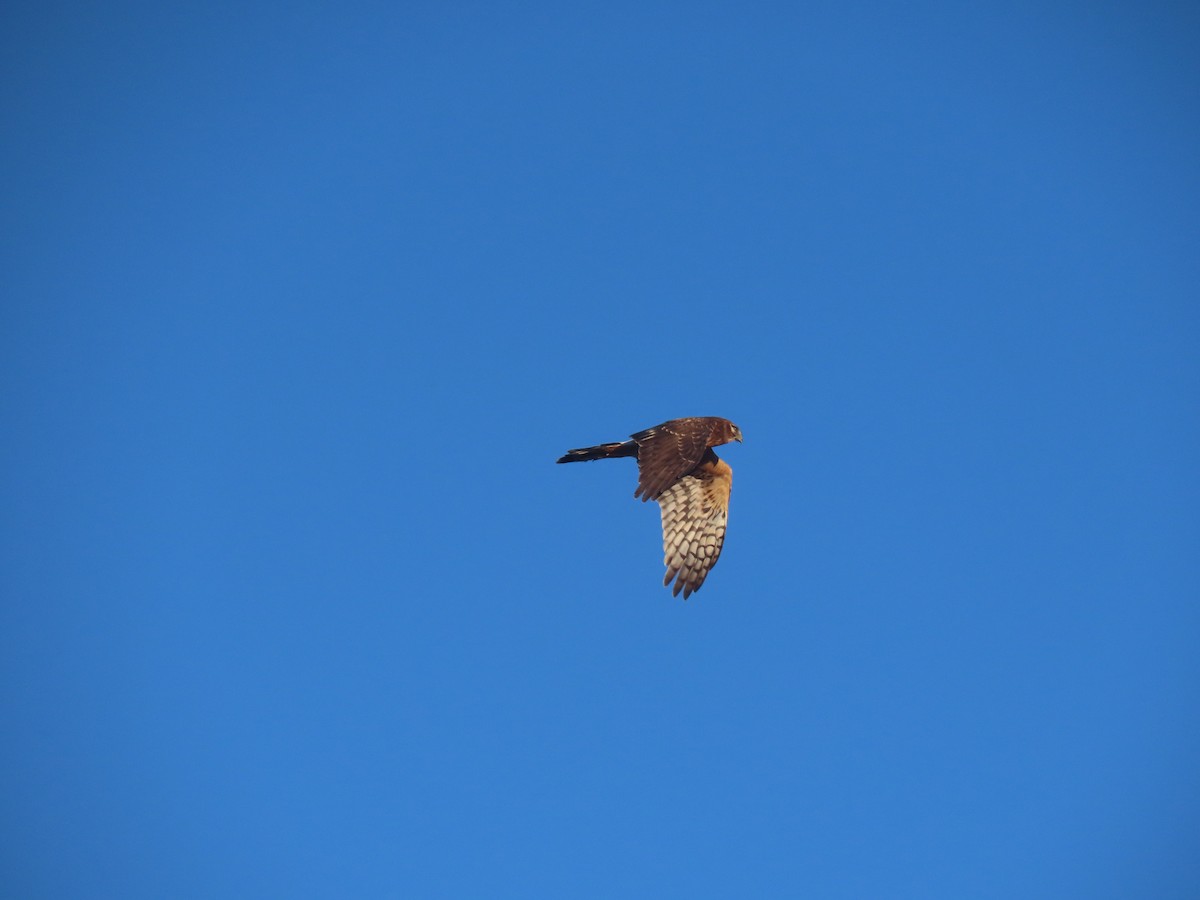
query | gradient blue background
(301,302)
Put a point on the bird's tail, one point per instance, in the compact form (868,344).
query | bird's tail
(600,451)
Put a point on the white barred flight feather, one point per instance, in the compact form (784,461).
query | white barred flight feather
(695,511)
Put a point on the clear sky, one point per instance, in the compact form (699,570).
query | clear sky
(301,302)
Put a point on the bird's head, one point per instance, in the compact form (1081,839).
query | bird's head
(735,432)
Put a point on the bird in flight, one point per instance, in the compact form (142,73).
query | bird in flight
(677,467)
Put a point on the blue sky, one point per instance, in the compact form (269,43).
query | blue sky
(301,302)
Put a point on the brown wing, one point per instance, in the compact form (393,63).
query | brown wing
(668,451)
(694,512)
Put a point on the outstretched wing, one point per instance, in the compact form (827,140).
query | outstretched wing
(695,510)
(668,451)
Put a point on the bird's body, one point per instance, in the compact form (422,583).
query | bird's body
(678,468)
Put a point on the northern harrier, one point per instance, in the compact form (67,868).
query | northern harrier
(677,467)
